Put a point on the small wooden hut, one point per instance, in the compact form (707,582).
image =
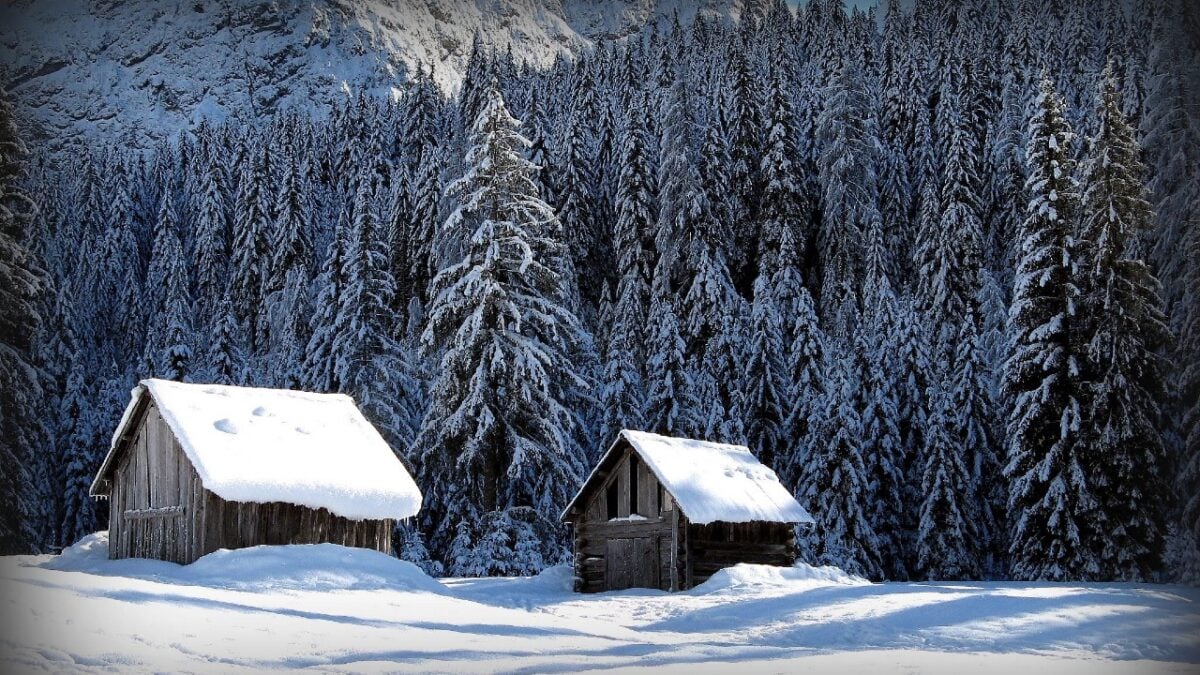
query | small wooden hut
(661,512)
(194,468)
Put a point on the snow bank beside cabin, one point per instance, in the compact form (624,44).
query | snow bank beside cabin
(800,576)
(300,567)
(273,445)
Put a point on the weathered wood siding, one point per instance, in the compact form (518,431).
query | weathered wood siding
(615,554)
(160,509)
(665,550)
(153,504)
(716,546)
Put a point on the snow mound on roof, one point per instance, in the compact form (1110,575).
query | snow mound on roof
(802,574)
(717,482)
(274,445)
(304,567)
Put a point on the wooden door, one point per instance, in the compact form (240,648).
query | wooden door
(631,563)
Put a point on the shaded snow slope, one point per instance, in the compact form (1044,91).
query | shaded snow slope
(253,610)
(250,444)
(140,70)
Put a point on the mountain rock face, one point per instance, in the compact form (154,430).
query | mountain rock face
(142,70)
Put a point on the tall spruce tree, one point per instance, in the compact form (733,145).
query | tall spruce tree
(849,195)
(807,373)
(497,438)
(946,534)
(251,244)
(766,390)
(624,390)
(833,481)
(1123,328)
(671,406)
(20,284)
(1051,491)
(210,254)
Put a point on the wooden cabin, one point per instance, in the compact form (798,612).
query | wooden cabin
(194,468)
(661,512)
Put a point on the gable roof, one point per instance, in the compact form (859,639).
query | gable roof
(273,445)
(710,481)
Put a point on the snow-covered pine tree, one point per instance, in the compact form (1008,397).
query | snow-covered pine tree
(169,333)
(671,406)
(766,390)
(1050,490)
(425,196)
(876,350)
(946,538)
(715,181)
(1122,325)
(210,254)
(1005,182)
(370,363)
(320,367)
(951,247)
(284,330)
(225,361)
(399,227)
(691,245)
(576,182)
(291,243)
(623,396)
(56,345)
(849,195)
(979,433)
(76,416)
(20,284)
(807,374)
(833,481)
(783,201)
(713,315)
(251,246)
(746,128)
(681,207)
(497,436)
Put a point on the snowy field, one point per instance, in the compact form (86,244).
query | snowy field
(327,608)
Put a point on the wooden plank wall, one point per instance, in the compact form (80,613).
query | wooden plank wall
(592,545)
(160,509)
(651,540)
(243,524)
(719,545)
(152,504)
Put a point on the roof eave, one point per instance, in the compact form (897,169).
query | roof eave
(129,421)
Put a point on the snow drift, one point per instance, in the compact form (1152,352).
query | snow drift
(302,567)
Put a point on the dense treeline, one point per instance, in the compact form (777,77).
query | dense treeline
(912,260)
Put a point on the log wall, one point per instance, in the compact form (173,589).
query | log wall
(719,545)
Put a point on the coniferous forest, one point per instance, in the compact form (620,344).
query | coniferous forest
(936,265)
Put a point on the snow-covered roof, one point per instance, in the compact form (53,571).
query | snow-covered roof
(273,445)
(710,481)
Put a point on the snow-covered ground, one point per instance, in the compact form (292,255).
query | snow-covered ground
(328,608)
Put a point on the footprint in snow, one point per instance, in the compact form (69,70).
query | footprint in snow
(226,425)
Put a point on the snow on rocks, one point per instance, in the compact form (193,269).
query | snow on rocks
(716,482)
(274,445)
